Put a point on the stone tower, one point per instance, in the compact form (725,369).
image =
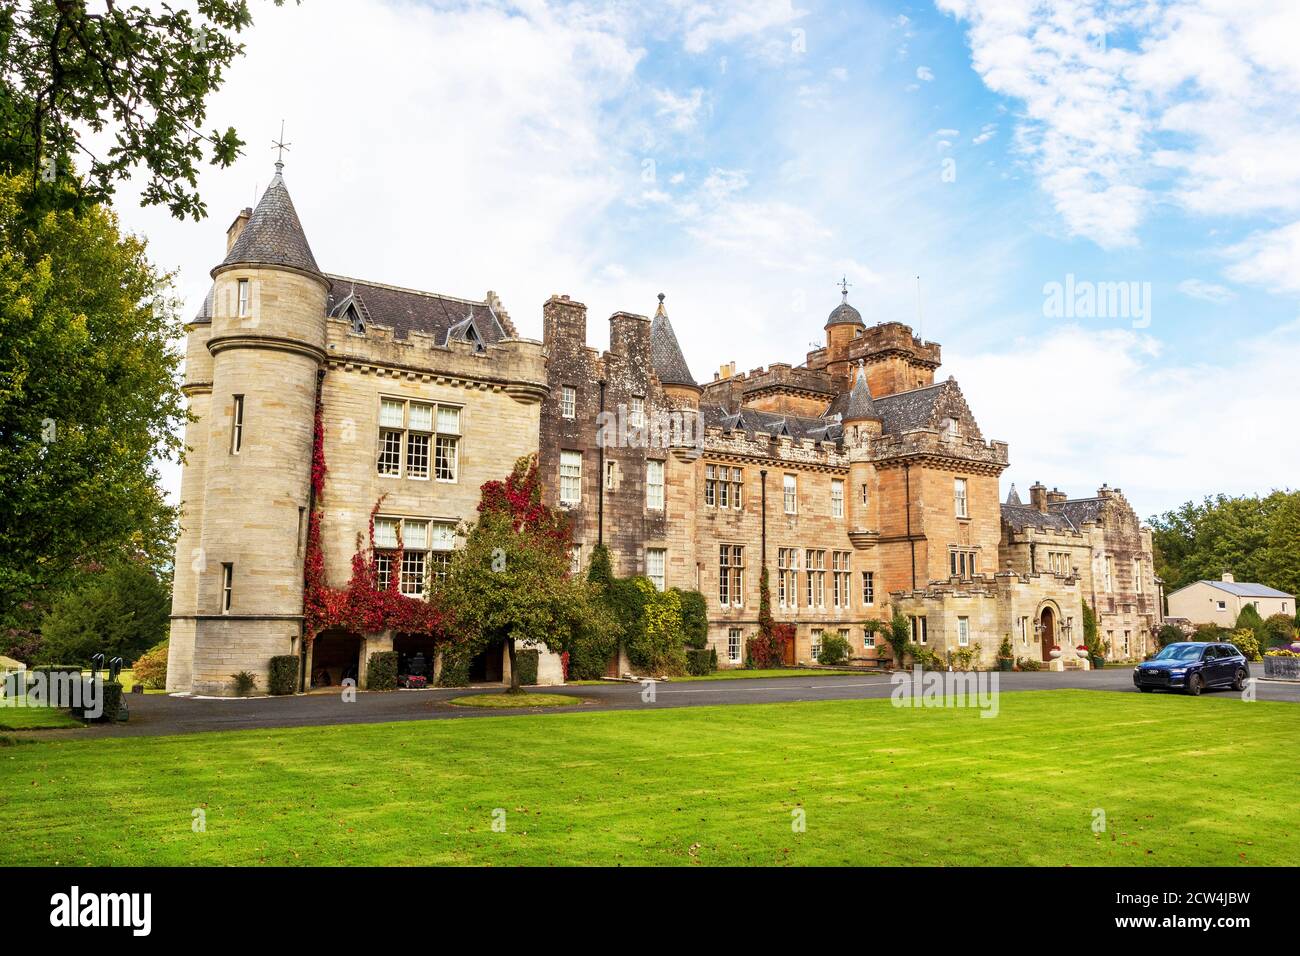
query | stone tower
(843,326)
(253,362)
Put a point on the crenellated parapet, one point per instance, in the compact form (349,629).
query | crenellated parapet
(935,447)
(761,446)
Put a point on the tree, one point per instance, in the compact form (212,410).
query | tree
(143,76)
(899,636)
(511,581)
(1252,537)
(1168,634)
(89,400)
(121,611)
(1248,618)
(695,618)
(1279,630)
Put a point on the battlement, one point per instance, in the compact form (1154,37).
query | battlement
(803,452)
(973,453)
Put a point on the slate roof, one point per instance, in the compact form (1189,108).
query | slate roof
(860,405)
(205,310)
(844,314)
(1020,517)
(273,235)
(904,411)
(1247,589)
(670,364)
(752,420)
(1013,499)
(1080,511)
(406,311)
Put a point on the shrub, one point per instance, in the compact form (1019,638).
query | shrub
(151,667)
(1028,664)
(284,674)
(1208,632)
(121,611)
(701,661)
(656,646)
(925,658)
(244,683)
(695,619)
(899,637)
(1168,634)
(835,649)
(526,659)
(1004,649)
(1245,641)
(455,665)
(112,694)
(1279,630)
(381,671)
(1249,618)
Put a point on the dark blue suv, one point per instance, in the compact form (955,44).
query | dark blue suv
(1192,666)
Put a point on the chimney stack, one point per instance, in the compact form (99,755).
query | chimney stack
(236,227)
(1038,496)
(1228,578)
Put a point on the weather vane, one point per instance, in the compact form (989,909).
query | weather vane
(844,287)
(279,145)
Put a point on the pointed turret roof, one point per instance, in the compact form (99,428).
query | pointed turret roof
(861,405)
(273,235)
(1013,499)
(670,364)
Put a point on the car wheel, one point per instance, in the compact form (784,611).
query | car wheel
(1239,679)
(1194,685)
(1146,690)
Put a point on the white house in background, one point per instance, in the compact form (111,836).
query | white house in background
(1219,602)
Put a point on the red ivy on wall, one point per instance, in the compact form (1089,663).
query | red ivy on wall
(362,606)
(520,496)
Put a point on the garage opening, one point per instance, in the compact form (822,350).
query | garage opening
(486,668)
(334,658)
(415,655)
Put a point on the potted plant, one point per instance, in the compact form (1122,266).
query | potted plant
(1006,657)
(1055,652)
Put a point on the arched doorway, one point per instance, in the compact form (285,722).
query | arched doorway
(335,656)
(1047,632)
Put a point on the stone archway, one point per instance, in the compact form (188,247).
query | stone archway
(1048,624)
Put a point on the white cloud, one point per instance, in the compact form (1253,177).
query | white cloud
(1206,291)
(986,133)
(924,73)
(1143,423)
(724,21)
(1199,104)
(682,112)
(947,133)
(1269,258)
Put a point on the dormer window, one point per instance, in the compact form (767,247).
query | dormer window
(355,321)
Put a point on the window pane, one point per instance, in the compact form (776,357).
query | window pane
(417,455)
(421,417)
(448,420)
(443,537)
(445,458)
(390,452)
(415,535)
(390,413)
(385,532)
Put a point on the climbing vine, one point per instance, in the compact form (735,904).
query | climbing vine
(362,606)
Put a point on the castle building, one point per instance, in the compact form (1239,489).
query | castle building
(860,482)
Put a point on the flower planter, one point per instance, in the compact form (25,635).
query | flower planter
(1281,668)
(1006,663)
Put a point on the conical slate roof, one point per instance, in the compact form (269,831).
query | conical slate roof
(273,235)
(670,364)
(861,405)
(1013,499)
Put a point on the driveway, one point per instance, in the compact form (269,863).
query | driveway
(159,714)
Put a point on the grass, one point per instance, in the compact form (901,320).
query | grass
(741,673)
(525,699)
(127,679)
(1208,781)
(35,718)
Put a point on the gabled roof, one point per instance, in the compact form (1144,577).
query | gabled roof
(752,420)
(1246,589)
(1020,517)
(273,235)
(406,310)
(1013,499)
(669,363)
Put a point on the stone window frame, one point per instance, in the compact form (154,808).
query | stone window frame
(568,401)
(573,479)
(787,578)
(868,588)
(837,500)
(656,570)
(654,490)
(842,579)
(814,643)
(575,557)
(734,645)
(636,411)
(243,298)
(790,493)
(227,586)
(236,424)
(731,575)
(419,453)
(961,563)
(815,571)
(963,631)
(422,566)
(961,497)
(919,630)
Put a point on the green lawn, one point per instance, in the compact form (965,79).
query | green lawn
(507,701)
(1209,780)
(741,673)
(35,718)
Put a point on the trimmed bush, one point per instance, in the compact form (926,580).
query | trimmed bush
(526,659)
(835,649)
(455,665)
(381,671)
(284,674)
(112,694)
(701,661)
(150,668)
(695,619)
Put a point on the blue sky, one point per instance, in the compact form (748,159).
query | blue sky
(741,156)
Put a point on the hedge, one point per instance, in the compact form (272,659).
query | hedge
(526,660)
(455,666)
(381,671)
(112,700)
(284,674)
(701,661)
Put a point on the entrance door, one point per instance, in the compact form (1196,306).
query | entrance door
(1047,632)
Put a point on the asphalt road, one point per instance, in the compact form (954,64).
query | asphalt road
(159,714)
